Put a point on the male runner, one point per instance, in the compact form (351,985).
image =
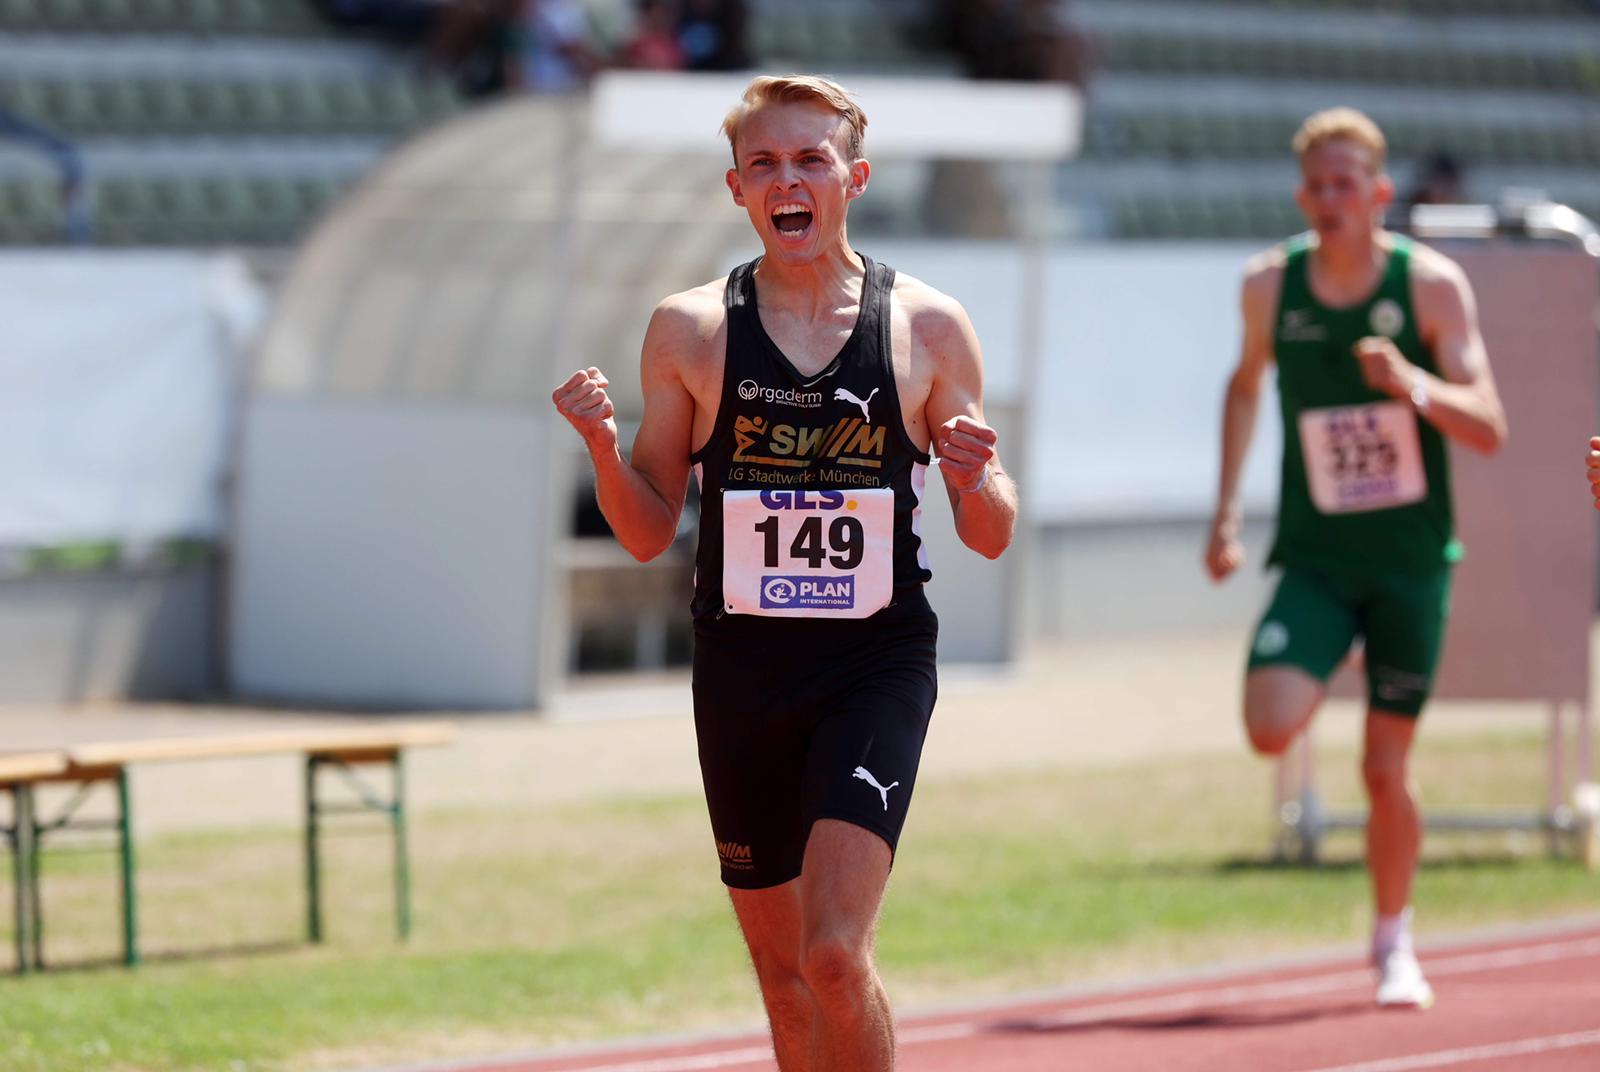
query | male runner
(1379,361)
(805,391)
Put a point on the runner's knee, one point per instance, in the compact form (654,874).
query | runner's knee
(836,971)
(787,996)
(1270,727)
(1384,776)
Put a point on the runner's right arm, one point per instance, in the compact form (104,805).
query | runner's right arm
(1594,469)
(1258,304)
(642,496)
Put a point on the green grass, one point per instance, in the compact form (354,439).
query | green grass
(586,922)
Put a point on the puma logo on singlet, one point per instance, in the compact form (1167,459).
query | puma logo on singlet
(844,394)
(883,790)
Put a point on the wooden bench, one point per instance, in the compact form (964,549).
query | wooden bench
(342,748)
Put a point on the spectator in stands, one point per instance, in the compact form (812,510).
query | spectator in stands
(1018,40)
(712,34)
(549,49)
(469,40)
(654,43)
(1007,40)
(1438,181)
(402,19)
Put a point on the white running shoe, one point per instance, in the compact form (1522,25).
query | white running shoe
(1400,982)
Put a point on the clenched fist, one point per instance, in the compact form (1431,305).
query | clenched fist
(965,448)
(1224,551)
(583,401)
(1384,367)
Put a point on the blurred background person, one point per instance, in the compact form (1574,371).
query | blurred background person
(654,43)
(548,48)
(714,35)
(1438,181)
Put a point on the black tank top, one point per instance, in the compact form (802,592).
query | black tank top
(836,431)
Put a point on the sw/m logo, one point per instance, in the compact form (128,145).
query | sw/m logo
(848,441)
(734,856)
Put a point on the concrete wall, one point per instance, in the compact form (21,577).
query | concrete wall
(78,637)
(390,555)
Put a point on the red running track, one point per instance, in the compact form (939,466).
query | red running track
(1529,1004)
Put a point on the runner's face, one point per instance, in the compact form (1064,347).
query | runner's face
(795,179)
(1342,193)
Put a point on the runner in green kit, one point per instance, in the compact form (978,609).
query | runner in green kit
(1379,360)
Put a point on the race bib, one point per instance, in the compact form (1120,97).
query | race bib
(1362,457)
(808,553)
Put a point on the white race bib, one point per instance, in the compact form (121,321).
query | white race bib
(1362,457)
(807,553)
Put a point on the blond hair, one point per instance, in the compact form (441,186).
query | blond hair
(1341,123)
(799,89)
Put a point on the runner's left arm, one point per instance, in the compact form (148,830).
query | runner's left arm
(982,494)
(1462,402)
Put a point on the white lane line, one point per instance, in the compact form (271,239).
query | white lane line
(1182,1001)
(1445,1058)
(689,1062)
(1188,1000)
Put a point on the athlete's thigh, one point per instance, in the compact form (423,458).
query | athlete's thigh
(841,886)
(770,920)
(753,754)
(1404,621)
(1309,625)
(862,763)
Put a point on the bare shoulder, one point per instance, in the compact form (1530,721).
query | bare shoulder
(686,333)
(689,316)
(1263,275)
(1435,275)
(937,320)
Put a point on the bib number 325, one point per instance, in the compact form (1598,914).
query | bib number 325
(808,553)
(1361,458)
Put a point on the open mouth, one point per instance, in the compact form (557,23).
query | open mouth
(791,221)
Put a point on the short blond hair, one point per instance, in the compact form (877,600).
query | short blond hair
(799,89)
(1345,123)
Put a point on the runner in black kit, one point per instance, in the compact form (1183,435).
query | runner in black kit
(806,391)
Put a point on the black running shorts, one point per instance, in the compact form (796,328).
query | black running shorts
(800,720)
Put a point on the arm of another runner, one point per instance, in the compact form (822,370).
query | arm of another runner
(1462,402)
(1258,302)
(641,497)
(1594,469)
(981,492)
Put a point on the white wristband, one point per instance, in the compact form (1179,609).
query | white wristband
(1419,394)
(983,478)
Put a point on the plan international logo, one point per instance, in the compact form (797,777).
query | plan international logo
(808,593)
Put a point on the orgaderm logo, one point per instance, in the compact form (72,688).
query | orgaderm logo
(750,390)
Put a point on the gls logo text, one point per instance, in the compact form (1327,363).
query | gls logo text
(782,499)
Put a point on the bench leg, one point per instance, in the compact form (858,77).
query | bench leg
(33,839)
(21,850)
(402,858)
(130,893)
(313,860)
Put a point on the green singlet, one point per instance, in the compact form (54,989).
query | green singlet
(1375,495)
